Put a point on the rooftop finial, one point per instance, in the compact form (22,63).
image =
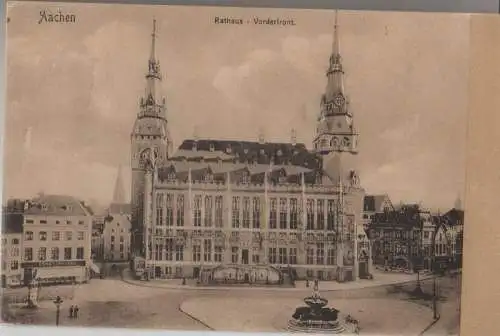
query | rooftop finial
(294,136)
(195,133)
(261,136)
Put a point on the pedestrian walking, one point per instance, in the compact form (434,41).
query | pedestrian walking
(71,311)
(76,309)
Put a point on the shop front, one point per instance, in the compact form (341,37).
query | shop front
(56,272)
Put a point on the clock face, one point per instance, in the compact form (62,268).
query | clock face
(339,100)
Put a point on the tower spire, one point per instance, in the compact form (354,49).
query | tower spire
(335,72)
(119,192)
(152,77)
(335,129)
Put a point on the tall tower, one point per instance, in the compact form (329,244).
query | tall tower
(336,138)
(119,192)
(150,132)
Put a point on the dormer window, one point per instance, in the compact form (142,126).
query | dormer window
(195,147)
(44,206)
(208,177)
(171,177)
(262,151)
(212,147)
(245,151)
(228,149)
(282,179)
(246,178)
(280,152)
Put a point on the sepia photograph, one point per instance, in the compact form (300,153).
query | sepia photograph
(234,169)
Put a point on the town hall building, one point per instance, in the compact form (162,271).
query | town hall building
(248,211)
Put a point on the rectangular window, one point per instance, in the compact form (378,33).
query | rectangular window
(43,221)
(197,211)
(236,212)
(42,253)
(320,215)
(56,235)
(80,222)
(121,247)
(28,254)
(158,252)
(255,258)
(29,221)
(310,256)
(67,253)
(219,211)
(320,253)
(218,254)
(196,253)
(79,253)
(283,213)
(29,235)
(235,255)
(54,253)
(14,252)
(256,213)
(208,211)
(272,255)
(179,253)
(69,235)
(330,260)
(293,214)
(273,214)
(207,250)
(293,256)
(246,212)
(81,235)
(169,216)
(180,210)
(14,265)
(282,255)
(330,217)
(169,249)
(310,214)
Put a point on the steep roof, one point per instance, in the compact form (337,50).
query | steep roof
(222,158)
(12,223)
(455,217)
(373,203)
(56,205)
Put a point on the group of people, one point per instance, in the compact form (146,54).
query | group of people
(73,311)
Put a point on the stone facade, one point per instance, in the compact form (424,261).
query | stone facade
(218,202)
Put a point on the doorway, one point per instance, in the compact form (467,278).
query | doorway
(196,272)
(244,257)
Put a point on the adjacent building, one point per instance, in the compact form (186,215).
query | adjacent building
(374,204)
(116,233)
(12,232)
(56,240)
(396,237)
(248,209)
(448,239)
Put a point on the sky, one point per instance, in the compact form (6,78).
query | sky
(73,91)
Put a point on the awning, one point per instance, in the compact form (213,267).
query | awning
(94,267)
(59,272)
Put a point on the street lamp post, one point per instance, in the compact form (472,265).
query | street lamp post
(58,301)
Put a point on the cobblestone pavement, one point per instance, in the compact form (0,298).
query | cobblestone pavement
(114,303)
(377,315)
